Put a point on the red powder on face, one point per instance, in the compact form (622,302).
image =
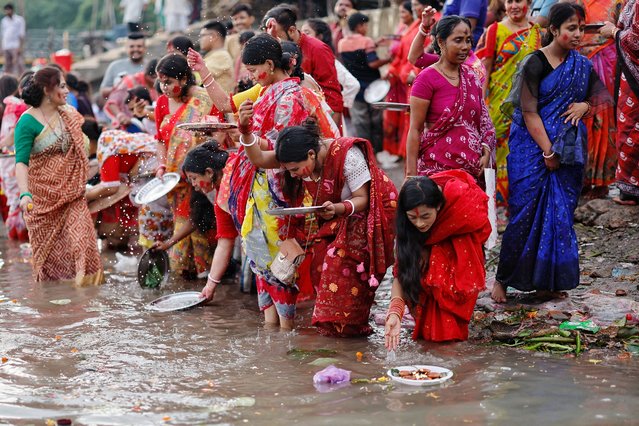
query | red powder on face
(261,76)
(177,90)
(416,211)
(525,9)
(565,37)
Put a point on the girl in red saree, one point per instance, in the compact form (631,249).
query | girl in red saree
(450,127)
(442,224)
(353,245)
(250,188)
(627,36)
(182,102)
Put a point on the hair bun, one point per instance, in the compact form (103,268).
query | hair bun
(211,145)
(310,124)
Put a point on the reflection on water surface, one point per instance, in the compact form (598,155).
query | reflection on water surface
(103,359)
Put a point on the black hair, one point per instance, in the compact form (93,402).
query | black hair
(137,35)
(408,5)
(208,155)
(45,78)
(83,86)
(242,7)
(284,14)
(246,36)
(150,68)
(322,31)
(8,86)
(139,92)
(175,66)
(216,26)
(25,78)
(72,81)
(92,129)
(444,28)
(560,13)
(409,241)
(356,19)
(182,44)
(293,145)
(263,47)
(8,6)
(296,53)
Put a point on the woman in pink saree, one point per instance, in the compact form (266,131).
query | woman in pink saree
(450,127)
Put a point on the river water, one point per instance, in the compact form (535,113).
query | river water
(104,359)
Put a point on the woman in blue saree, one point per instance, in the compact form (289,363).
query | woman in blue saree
(553,90)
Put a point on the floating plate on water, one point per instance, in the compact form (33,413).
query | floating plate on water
(153,268)
(376,91)
(391,106)
(177,302)
(157,188)
(393,373)
(294,210)
(207,127)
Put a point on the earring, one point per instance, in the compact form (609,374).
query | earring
(272,71)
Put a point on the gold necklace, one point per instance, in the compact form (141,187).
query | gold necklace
(446,75)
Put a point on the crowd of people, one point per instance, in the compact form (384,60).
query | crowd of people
(527,88)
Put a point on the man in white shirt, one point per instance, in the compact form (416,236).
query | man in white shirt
(13,32)
(133,10)
(136,50)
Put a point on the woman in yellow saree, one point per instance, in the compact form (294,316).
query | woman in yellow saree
(501,48)
(182,102)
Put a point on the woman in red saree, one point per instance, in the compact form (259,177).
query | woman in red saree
(442,224)
(182,102)
(627,36)
(394,120)
(353,245)
(250,188)
(599,47)
(450,127)
(51,170)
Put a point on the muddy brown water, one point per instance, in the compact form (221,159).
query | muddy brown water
(103,359)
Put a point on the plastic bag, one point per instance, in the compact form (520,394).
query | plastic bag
(489,176)
(580,325)
(332,375)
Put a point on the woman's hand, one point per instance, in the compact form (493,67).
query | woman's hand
(245,114)
(195,61)
(575,112)
(428,16)
(26,204)
(208,292)
(391,332)
(162,245)
(552,163)
(328,212)
(484,161)
(159,172)
(608,29)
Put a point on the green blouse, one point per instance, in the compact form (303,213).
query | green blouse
(27,129)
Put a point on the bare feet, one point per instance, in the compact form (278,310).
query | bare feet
(549,295)
(499,293)
(618,200)
(626,199)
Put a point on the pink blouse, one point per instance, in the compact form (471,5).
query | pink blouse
(432,86)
